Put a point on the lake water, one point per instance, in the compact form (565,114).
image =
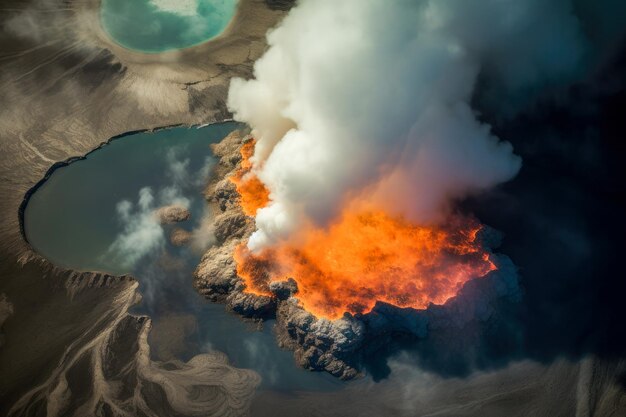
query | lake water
(161,25)
(96,214)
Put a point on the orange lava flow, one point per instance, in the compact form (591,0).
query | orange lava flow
(367,257)
(252,191)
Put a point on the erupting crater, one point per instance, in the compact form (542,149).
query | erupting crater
(340,292)
(361,258)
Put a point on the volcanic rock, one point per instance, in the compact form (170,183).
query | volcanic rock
(320,344)
(180,237)
(252,305)
(172,214)
(284,289)
(225,193)
(232,224)
(216,275)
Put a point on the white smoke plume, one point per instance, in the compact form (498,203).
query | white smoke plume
(142,232)
(374,97)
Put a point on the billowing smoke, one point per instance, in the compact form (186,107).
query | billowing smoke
(371,100)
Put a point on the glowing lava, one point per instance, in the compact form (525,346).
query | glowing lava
(252,192)
(366,257)
(363,257)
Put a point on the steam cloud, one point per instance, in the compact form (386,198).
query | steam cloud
(374,97)
(142,233)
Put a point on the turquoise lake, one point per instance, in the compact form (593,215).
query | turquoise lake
(97,214)
(161,25)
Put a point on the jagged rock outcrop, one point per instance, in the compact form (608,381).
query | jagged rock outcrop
(172,214)
(320,344)
(252,305)
(180,237)
(216,275)
(283,290)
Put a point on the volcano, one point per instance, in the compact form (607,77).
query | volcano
(329,288)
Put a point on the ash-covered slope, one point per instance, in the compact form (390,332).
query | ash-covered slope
(66,90)
(107,369)
(341,347)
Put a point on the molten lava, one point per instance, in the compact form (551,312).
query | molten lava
(367,257)
(363,257)
(252,191)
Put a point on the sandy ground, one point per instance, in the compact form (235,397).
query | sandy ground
(65,88)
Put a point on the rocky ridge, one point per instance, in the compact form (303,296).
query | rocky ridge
(172,214)
(180,237)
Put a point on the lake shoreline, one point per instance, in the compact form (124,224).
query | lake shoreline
(72,159)
(74,94)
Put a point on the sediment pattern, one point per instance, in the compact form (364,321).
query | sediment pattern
(108,371)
